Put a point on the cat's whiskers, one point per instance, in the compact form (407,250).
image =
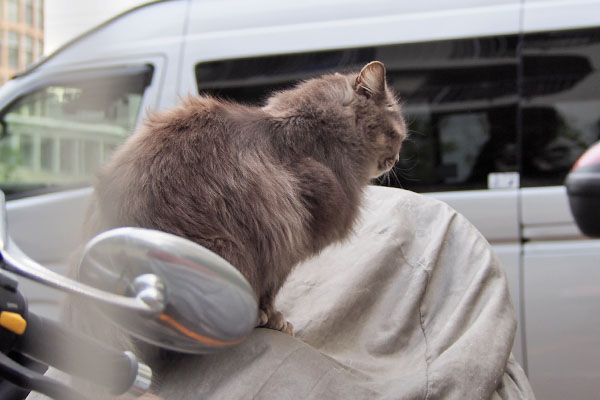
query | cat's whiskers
(396,178)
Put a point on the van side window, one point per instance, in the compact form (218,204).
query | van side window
(460,101)
(561,102)
(59,134)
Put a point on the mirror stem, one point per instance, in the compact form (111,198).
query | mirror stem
(27,268)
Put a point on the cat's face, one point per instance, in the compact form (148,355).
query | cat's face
(380,118)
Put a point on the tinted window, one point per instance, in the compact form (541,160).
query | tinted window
(460,100)
(59,134)
(251,80)
(561,102)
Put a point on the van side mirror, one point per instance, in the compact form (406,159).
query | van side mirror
(583,189)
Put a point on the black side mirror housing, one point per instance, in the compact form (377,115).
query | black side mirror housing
(583,189)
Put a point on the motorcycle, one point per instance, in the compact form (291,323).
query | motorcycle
(162,289)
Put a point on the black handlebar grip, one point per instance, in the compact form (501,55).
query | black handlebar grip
(46,341)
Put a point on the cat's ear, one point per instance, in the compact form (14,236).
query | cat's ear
(370,82)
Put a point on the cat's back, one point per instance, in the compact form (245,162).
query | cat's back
(202,135)
(205,157)
(204,118)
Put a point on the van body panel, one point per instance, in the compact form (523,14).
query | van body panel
(547,15)
(493,212)
(252,31)
(545,214)
(48,227)
(562,318)
(216,16)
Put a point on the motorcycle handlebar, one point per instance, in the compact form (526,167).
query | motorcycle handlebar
(79,355)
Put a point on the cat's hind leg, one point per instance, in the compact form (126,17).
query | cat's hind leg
(270,318)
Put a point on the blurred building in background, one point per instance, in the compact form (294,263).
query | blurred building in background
(21,35)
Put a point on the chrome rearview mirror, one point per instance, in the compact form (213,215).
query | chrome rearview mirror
(161,288)
(206,303)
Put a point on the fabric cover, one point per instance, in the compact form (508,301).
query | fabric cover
(414,305)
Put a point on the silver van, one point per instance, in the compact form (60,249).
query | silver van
(502,96)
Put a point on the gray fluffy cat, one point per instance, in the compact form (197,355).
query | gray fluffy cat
(265,188)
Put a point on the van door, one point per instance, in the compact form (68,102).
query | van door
(561,268)
(57,129)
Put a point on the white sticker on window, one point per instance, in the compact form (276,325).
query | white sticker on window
(503,180)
